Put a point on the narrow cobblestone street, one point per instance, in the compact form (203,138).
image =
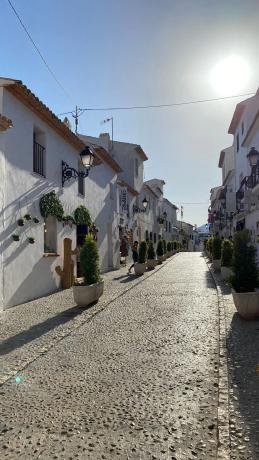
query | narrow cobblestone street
(134,377)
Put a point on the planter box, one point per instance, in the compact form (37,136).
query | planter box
(247,304)
(85,295)
(151,263)
(216,265)
(226,272)
(160,259)
(139,268)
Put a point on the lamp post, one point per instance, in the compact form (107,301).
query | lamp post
(87,159)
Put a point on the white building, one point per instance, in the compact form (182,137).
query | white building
(224,218)
(170,225)
(31,156)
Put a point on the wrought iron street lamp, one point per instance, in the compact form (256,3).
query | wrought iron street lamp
(253,157)
(87,159)
(136,209)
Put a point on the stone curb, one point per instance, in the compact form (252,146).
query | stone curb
(223,448)
(4,377)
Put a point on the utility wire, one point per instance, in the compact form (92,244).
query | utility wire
(38,51)
(173,104)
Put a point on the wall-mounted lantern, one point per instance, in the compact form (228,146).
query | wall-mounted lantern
(136,209)
(87,159)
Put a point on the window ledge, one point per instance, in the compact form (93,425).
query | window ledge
(50,254)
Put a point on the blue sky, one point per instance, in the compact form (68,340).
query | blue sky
(139,52)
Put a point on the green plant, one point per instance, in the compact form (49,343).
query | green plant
(205,245)
(142,254)
(50,205)
(27,217)
(31,240)
(151,251)
(209,244)
(216,248)
(245,277)
(164,246)
(89,260)
(20,222)
(169,246)
(16,237)
(68,219)
(82,216)
(226,253)
(160,248)
(175,245)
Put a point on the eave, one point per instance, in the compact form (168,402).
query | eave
(131,190)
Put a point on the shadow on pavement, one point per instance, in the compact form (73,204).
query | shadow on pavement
(36,331)
(243,357)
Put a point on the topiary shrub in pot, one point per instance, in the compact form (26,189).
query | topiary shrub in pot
(245,278)
(209,246)
(226,259)
(216,253)
(164,248)
(168,249)
(160,252)
(92,287)
(140,266)
(151,256)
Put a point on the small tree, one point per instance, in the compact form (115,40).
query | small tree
(244,263)
(216,248)
(142,255)
(209,244)
(89,260)
(226,253)
(151,251)
(160,248)
(169,246)
(164,246)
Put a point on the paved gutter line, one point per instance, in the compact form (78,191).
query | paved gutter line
(47,348)
(223,448)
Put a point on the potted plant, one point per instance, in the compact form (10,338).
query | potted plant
(140,266)
(164,248)
(175,244)
(209,246)
(91,289)
(31,240)
(168,248)
(160,252)
(245,278)
(151,256)
(27,217)
(216,253)
(226,259)
(20,222)
(16,237)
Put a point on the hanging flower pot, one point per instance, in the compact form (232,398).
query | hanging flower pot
(31,240)
(27,217)
(36,220)
(16,237)
(20,222)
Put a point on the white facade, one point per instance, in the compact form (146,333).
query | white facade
(26,271)
(170,226)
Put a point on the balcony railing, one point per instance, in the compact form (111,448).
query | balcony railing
(38,159)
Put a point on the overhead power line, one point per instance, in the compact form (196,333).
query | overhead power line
(38,50)
(158,106)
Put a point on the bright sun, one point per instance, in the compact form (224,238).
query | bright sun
(230,75)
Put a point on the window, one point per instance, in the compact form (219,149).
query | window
(169,223)
(50,234)
(146,235)
(166,226)
(243,127)
(81,180)
(237,142)
(136,167)
(39,152)
(154,237)
(151,236)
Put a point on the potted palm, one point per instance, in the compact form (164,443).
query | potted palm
(91,288)
(245,278)
(160,252)
(216,253)
(226,259)
(151,256)
(140,266)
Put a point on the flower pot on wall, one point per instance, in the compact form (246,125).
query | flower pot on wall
(247,304)
(139,268)
(86,294)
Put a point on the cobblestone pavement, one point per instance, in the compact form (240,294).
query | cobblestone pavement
(138,380)
(243,358)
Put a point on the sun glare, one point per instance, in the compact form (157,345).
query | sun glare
(230,75)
